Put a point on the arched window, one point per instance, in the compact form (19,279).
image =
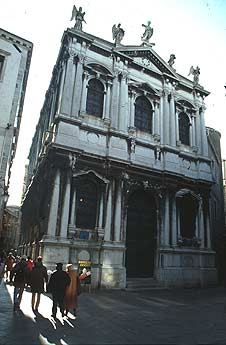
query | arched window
(95,98)
(143,114)
(184,129)
(86,204)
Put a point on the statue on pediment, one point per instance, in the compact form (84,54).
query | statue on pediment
(117,33)
(171,60)
(147,33)
(78,15)
(195,72)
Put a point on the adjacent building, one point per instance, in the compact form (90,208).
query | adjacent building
(122,170)
(15,59)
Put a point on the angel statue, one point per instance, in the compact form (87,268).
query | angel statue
(147,33)
(117,33)
(171,60)
(78,15)
(196,73)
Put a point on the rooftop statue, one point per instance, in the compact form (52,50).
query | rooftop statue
(147,33)
(195,72)
(78,15)
(117,33)
(171,60)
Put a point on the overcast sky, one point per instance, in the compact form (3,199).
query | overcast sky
(194,30)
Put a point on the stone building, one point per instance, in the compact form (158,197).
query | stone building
(15,59)
(120,170)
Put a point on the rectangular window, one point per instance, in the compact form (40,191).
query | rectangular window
(2,60)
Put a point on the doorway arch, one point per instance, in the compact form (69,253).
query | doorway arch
(141,235)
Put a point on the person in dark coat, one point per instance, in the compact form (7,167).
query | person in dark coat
(58,283)
(38,277)
(19,277)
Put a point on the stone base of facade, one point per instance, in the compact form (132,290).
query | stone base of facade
(177,267)
(187,268)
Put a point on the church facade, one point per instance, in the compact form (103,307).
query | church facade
(120,172)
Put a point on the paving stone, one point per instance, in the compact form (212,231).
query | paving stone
(177,316)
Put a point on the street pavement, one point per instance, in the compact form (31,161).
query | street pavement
(174,316)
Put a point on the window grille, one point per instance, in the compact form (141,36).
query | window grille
(184,129)
(143,114)
(95,98)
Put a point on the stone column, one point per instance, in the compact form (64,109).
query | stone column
(166,127)
(61,85)
(84,92)
(132,108)
(107,234)
(77,87)
(198,132)
(100,220)
(67,94)
(172,121)
(165,240)
(161,119)
(73,209)
(193,130)
(118,212)
(65,209)
(190,132)
(53,212)
(174,221)
(178,219)
(177,126)
(201,223)
(107,103)
(114,101)
(123,103)
(203,133)
(156,124)
(208,226)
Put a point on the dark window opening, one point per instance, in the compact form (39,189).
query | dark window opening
(2,60)
(143,115)
(86,205)
(188,210)
(95,98)
(184,129)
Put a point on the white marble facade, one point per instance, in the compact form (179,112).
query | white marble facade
(148,184)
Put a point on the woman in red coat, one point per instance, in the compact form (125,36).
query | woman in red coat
(72,291)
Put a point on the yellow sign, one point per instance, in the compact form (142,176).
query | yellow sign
(84,263)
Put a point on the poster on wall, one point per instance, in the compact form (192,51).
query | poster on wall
(84,269)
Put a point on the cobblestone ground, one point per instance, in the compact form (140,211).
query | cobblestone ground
(179,316)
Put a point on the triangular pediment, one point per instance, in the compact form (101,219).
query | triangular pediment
(148,58)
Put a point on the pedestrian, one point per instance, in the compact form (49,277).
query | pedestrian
(2,268)
(72,291)
(29,263)
(9,265)
(19,277)
(58,283)
(38,277)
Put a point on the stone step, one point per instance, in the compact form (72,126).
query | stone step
(143,284)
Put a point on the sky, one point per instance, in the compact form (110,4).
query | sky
(194,30)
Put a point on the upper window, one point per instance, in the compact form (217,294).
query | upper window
(2,60)
(95,98)
(184,129)
(143,114)
(86,204)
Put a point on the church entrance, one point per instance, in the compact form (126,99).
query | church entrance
(140,235)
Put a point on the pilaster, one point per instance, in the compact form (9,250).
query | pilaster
(53,213)
(77,86)
(67,93)
(107,234)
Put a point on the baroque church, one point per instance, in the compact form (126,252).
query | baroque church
(122,171)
